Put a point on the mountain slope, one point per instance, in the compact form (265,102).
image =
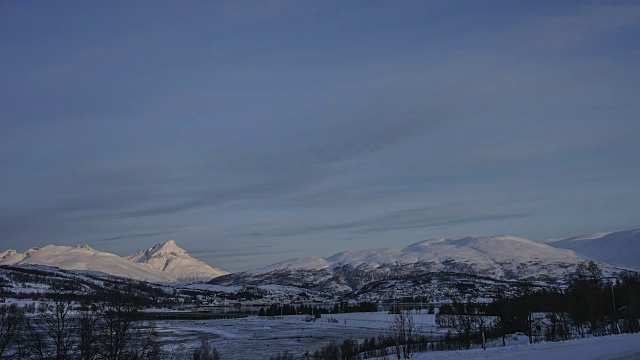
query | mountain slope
(176,262)
(83,257)
(498,257)
(621,247)
(161,263)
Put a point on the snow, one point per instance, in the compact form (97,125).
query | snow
(619,347)
(11,257)
(425,323)
(175,262)
(621,247)
(491,255)
(303,263)
(165,262)
(243,338)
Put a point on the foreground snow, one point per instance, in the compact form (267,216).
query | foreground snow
(615,347)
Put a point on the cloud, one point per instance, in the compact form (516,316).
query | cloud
(586,27)
(156,234)
(434,217)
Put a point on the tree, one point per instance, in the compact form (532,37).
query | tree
(119,337)
(283,356)
(461,317)
(590,301)
(206,352)
(51,331)
(12,321)
(117,319)
(403,330)
(88,318)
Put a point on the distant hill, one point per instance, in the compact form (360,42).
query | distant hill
(620,248)
(498,257)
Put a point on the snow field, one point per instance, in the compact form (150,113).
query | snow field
(613,347)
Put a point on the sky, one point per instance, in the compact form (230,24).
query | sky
(255,131)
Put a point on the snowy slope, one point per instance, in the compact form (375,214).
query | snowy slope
(489,255)
(161,263)
(612,347)
(83,257)
(621,247)
(498,257)
(174,261)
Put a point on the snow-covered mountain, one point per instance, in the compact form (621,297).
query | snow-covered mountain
(621,247)
(179,266)
(169,258)
(497,257)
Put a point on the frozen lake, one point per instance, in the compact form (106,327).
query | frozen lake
(261,337)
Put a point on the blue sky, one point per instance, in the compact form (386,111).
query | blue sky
(255,131)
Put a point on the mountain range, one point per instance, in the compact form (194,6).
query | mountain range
(164,262)
(498,257)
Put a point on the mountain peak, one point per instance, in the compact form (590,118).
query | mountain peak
(84,247)
(167,247)
(168,257)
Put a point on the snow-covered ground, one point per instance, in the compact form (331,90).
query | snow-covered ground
(262,337)
(614,347)
(267,336)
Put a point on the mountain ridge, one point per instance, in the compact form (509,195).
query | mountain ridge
(83,257)
(168,257)
(500,257)
(620,247)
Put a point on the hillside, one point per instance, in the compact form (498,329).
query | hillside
(621,247)
(161,263)
(169,258)
(497,257)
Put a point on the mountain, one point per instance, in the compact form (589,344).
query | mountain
(175,261)
(498,257)
(83,257)
(621,247)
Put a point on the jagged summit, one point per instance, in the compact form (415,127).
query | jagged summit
(165,249)
(160,263)
(169,258)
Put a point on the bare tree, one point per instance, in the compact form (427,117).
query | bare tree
(145,344)
(117,318)
(206,352)
(461,318)
(88,330)
(11,322)
(403,330)
(121,334)
(51,332)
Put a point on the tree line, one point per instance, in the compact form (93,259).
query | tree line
(338,308)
